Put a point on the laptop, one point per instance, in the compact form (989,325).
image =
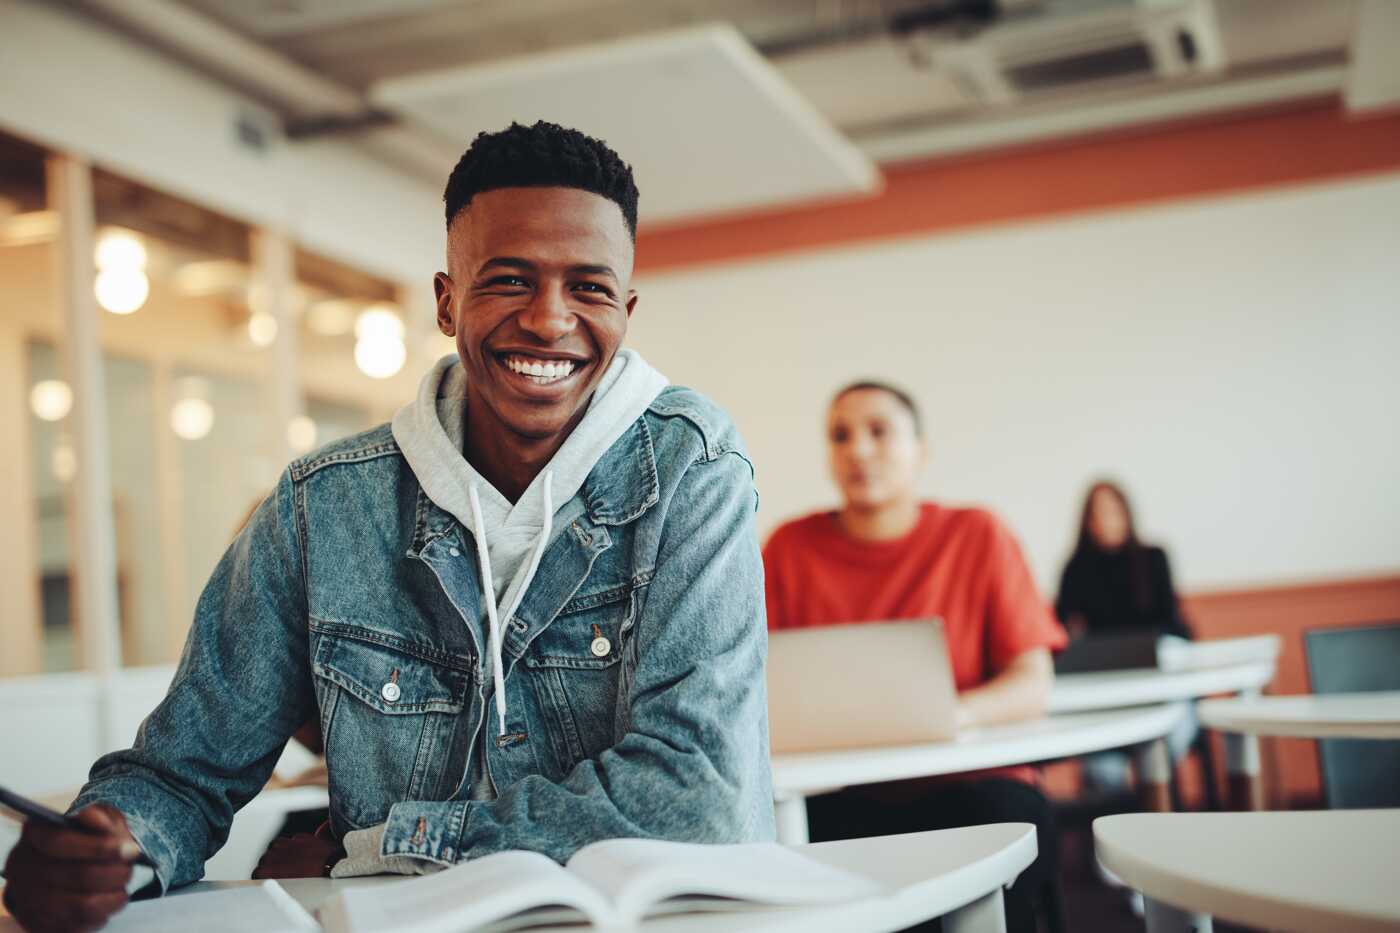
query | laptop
(1116,651)
(857,686)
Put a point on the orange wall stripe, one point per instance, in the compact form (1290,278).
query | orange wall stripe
(1256,150)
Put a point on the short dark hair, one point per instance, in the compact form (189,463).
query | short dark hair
(545,155)
(899,396)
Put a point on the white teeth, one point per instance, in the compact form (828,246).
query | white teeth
(540,373)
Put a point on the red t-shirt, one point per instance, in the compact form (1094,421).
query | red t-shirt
(961,565)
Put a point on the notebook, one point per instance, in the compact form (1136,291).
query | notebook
(862,685)
(265,907)
(609,884)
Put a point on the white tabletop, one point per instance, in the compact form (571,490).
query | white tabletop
(1110,689)
(925,874)
(1333,870)
(1019,743)
(1374,715)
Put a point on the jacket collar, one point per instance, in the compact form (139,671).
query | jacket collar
(623,483)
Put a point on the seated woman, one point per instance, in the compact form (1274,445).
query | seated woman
(886,555)
(1114,584)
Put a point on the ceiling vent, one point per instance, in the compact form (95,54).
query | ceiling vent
(1073,46)
(1117,63)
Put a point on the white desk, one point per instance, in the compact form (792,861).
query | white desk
(957,874)
(1374,715)
(1075,693)
(1105,689)
(1333,870)
(798,776)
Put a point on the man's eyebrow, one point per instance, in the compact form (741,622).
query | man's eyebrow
(595,270)
(506,262)
(516,262)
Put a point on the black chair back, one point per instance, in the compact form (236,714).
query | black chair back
(1357,772)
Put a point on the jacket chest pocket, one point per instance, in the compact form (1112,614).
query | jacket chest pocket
(575,670)
(390,712)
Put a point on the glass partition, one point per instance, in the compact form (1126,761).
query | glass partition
(190,352)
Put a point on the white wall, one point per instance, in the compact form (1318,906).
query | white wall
(1236,361)
(73,86)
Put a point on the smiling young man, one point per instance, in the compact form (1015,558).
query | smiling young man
(527,615)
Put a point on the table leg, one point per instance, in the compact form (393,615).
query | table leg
(1245,789)
(791,816)
(1154,773)
(1164,918)
(984,915)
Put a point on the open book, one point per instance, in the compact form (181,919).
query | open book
(613,883)
(264,906)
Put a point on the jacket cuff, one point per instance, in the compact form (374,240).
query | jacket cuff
(429,830)
(154,844)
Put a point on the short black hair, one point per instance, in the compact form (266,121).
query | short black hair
(900,396)
(545,155)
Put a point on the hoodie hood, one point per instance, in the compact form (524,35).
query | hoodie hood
(510,538)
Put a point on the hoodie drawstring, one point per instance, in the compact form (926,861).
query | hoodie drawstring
(498,677)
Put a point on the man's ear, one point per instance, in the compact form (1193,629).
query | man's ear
(442,288)
(631,301)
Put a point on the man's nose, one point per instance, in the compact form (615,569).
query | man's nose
(548,316)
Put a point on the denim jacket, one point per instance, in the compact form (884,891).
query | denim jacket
(634,665)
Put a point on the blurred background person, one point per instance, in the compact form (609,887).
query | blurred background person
(885,555)
(1114,584)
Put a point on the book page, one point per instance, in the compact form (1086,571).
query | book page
(491,890)
(637,875)
(264,907)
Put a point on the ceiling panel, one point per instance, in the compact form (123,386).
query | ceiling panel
(1263,30)
(874,81)
(708,124)
(271,18)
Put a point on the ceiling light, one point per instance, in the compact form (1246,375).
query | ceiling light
(379,321)
(63,461)
(262,329)
(120,249)
(51,399)
(301,434)
(210,276)
(122,290)
(191,418)
(380,357)
(29,228)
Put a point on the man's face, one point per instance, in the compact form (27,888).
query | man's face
(537,296)
(875,452)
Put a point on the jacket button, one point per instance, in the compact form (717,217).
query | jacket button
(600,647)
(454,552)
(390,692)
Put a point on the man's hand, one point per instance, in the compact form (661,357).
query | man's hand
(301,856)
(64,879)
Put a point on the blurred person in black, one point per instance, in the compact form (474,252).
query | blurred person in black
(1114,584)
